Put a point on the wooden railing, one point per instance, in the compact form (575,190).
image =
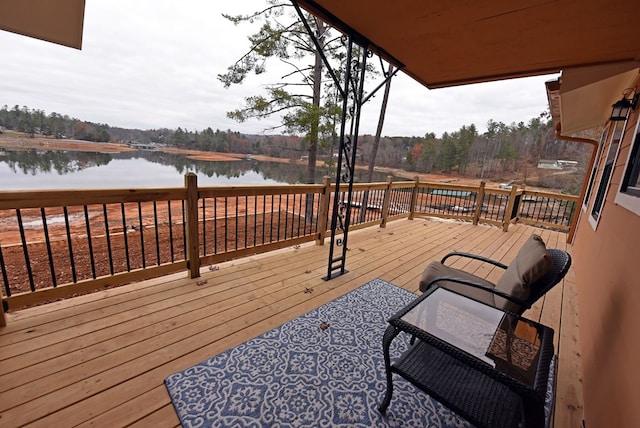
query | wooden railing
(496,206)
(55,244)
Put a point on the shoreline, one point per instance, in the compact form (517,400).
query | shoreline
(15,142)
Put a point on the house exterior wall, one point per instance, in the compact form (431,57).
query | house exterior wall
(607,267)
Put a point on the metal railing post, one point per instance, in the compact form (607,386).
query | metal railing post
(193,239)
(386,201)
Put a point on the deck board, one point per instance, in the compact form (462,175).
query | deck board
(100,359)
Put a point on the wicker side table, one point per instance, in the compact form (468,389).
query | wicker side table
(489,366)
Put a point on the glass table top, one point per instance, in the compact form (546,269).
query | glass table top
(504,341)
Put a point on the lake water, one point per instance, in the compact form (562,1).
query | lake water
(31,169)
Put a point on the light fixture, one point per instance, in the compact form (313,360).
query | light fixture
(621,108)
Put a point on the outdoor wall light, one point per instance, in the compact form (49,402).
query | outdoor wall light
(621,108)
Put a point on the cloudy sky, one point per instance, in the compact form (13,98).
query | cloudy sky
(154,63)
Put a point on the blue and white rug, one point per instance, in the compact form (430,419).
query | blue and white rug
(323,369)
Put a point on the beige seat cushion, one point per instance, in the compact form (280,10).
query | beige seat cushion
(438,270)
(531,263)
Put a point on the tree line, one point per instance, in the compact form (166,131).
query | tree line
(502,152)
(36,121)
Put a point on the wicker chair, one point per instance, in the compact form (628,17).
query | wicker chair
(441,275)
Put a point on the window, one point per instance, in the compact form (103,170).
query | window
(594,170)
(629,194)
(631,181)
(612,154)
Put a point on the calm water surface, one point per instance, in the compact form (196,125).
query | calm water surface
(31,169)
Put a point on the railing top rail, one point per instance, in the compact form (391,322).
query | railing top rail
(447,186)
(403,184)
(220,191)
(369,186)
(15,199)
(551,195)
(497,191)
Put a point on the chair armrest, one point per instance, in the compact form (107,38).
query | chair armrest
(480,286)
(475,257)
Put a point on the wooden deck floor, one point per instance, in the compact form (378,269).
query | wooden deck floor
(100,360)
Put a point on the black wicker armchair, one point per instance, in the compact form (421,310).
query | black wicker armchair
(532,274)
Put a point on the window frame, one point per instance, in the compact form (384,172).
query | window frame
(594,169)
(616,128)
(624,198)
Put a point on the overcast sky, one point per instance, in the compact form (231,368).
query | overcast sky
(152,64)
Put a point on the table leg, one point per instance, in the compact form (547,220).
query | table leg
(390,333)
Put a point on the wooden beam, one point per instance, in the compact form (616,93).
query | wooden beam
(193,239)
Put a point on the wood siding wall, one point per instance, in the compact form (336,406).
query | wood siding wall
(608,287)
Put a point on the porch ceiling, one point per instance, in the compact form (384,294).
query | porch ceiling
(59,21)
(457,42)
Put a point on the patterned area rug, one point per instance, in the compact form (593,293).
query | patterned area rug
(323,369)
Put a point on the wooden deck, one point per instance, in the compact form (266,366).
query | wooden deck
(100,359)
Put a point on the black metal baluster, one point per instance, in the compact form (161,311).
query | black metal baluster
(93,262)
(5,278)
(567,218)
(155,222)
(302,197)
(25,250)
(170,231)
(255,219)
(293,216)
(264,215)
(126,238)
(69,245)
(108,237)
(279,220)
(309,217)
(215,225)
(310,199)
(286,218)
(246,219)
(375,215)
(48,242)
(236,240)
(271,219)
(541,214)
(184,232)
(204,227)
(226,224)
(144,261)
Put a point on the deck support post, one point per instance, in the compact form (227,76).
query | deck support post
(479,202)
(414,198)
(386,202)
(193,244)
(341,213)
(351,90)
(509,211)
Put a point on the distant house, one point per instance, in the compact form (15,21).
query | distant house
(556,164)
(142,146)
(567,163)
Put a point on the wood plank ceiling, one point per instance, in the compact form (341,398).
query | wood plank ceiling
(460,41)
(59,21)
